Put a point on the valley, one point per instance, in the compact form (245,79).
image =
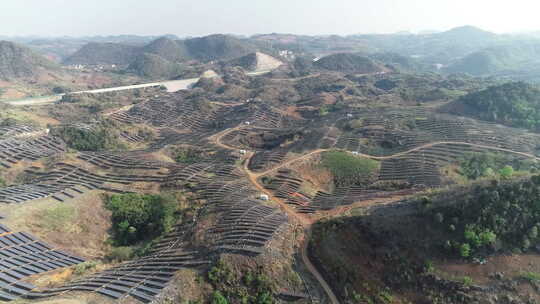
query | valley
(268,169)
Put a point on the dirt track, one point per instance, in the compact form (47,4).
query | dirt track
(307,222)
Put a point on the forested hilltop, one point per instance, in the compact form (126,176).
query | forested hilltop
(514,104)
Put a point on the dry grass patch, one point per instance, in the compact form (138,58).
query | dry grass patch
(79,226)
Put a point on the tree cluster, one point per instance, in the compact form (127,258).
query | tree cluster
(139,217)
(498,216)
(515,104)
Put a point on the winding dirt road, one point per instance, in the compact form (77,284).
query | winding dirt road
(307,155)
(307,222)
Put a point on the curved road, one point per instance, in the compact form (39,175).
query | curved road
(307,222)
(171,85)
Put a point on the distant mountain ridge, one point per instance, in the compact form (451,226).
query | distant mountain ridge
(511,57)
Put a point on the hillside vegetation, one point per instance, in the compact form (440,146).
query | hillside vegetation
(423,251)
(137,217)
(168,49)
(348,169)
(348,63)
(490,218)
(154,66)
(214,47)
(18,61)
(515,104)
(103,53)
(96,138)
(499,59)
(218,47)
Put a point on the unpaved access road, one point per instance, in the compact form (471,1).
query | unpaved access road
(305,221)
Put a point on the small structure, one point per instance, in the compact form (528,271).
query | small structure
(349,115)
(264,197)
(243,152)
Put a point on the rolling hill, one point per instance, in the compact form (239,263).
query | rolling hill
(172,50)
(214,47)
(514,57)
(515,104)
(17,61)
(256,62)
(218,47)
(154,66)
(348,63)
(103,53)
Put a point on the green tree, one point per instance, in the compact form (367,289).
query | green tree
(475,165)
(465,250)
(533,232)
(487,237)
(138,217)
(506,172)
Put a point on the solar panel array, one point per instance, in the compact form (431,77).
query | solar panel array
(21,256)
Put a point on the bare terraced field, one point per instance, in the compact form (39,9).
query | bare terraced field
(230,182)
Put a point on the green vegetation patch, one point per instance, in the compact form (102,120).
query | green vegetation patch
(348,169)
(489,218)
(98,138)
(187,155)
(58,218)
(230,286)
(530,276)
(515,104)
(139,217)
(474,165)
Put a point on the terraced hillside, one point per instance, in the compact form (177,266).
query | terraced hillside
(250,164)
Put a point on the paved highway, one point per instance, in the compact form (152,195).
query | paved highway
(171,85)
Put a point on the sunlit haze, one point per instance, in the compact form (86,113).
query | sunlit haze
(195,18)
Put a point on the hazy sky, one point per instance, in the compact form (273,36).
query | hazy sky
(201,17)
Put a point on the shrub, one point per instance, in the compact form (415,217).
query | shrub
(82,268)
(120,254)
(465,250)
(218,298)
(467,281)
(506,172)
(531,276)
(187,155)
